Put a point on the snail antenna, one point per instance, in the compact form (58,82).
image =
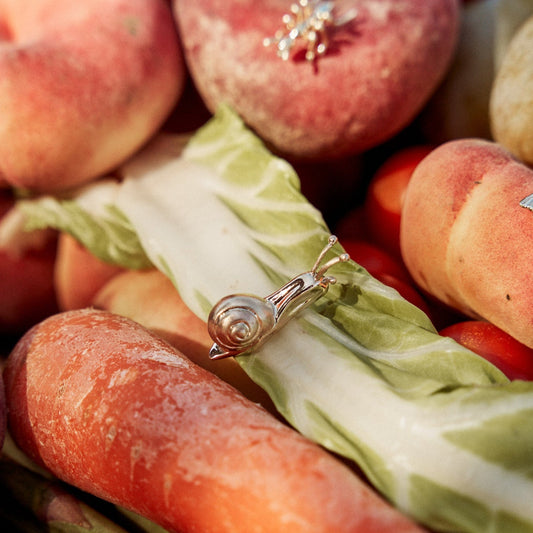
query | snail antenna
(331,242)
(339,259)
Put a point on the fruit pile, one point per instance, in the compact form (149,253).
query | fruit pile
(408,125)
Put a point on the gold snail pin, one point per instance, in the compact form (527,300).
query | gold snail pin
(239,322)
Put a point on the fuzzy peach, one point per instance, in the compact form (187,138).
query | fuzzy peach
(27,292)
(379,70)
(82,85)
(466,239)
(78,274)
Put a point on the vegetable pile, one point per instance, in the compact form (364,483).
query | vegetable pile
(443,445)
(401,400)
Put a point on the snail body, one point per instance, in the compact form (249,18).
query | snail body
(240,322)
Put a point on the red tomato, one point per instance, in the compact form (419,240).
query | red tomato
(375,260)
(513,358)
(386,191)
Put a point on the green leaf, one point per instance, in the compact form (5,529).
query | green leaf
(363,372)
(93,219)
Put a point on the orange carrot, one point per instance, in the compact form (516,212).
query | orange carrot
(113,409)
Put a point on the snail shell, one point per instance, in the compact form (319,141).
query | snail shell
(238,322)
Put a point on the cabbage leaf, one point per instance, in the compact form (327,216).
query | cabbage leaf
(439,431)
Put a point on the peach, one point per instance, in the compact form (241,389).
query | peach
(83,85)
(511,105)
(466,239)
(379,70)
(78,274)
(27,292)
(149,298)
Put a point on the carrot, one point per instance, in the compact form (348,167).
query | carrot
(111,408)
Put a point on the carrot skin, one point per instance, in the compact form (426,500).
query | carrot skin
(113,409)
